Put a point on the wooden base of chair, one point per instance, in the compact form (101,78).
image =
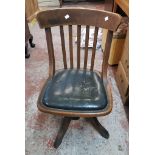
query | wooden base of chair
(65,124)
(96,124)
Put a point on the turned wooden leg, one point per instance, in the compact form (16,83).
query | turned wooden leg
(27,55)
(31,42)
(104,133)
(64,126)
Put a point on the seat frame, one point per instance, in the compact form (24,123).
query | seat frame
(102,19)
(76,113)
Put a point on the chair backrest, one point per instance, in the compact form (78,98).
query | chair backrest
(79,17)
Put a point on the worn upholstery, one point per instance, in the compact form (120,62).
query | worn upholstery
(72,89)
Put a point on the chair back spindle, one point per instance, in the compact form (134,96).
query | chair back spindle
(94,48)
(79,17)
(78,45)
(86,47)
(71,46)
(50,51)
(63,46)
(106,53)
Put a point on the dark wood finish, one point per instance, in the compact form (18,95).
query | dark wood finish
(86,47)
(78,45)
(96,124)
(64,126)
(71,46)
(46,18)
(78,16)
(87,17)
(106,53)
(50,51)
(94,48)
(63,46)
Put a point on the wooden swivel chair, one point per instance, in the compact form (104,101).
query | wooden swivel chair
(75,92)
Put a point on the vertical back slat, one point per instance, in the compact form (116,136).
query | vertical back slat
(50,51)
(86,47)
(78,45)
(63,46)
(71,46)
(94,48)
(106,53)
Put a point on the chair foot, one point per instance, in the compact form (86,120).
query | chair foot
(103,132)
(27,55)
(31,42)
(64,126)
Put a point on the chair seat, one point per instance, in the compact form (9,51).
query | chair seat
(72,89)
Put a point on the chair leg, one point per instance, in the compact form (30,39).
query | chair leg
(27,55)
(104,133)
(64,126)
(31,42)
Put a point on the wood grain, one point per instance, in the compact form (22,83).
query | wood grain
(63,46)
(79,16)
(50,51)
(71,46)
(86,47)
(94,48)
(78,45)
(106,54)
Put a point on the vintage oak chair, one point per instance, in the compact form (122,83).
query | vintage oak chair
(75,92)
